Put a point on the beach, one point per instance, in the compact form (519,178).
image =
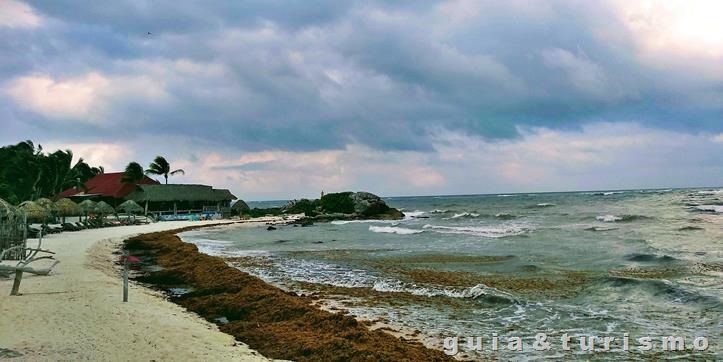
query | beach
(77,313)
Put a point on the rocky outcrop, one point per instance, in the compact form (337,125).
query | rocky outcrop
(344,206)
(240,208)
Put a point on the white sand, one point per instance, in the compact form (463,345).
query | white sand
(77,313)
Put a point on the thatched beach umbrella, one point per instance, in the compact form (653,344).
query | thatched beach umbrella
(12,228)
(48,204)
(35,211)
(130,207)
(104,208)
(66,207)
(87,206)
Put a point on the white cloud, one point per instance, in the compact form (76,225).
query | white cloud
(16,14)
(87,98)
(112,156)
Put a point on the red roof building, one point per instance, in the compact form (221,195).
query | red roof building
(106,186)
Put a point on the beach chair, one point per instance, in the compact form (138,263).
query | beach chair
(22,266)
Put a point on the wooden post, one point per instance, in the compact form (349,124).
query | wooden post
(175,210)
(146,213)
(125,276)
(16,283)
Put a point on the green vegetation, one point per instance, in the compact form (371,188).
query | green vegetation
(26,173)
(340,202)
(273,211)
(160,166)
(133,173)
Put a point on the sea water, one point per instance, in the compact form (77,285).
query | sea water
(648,263)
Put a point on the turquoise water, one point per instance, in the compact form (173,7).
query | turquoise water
(642,262)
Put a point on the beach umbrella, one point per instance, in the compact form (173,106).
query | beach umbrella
(8,211)
(66,207)
(47,204)
(130,207)
(87,206)
(104,208)
(35,211)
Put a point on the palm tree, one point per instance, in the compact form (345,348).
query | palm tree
(133,173)
(161,167)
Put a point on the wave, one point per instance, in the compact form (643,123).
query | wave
(488,232)
(464,215)
(664,288)
(598,228)
(414,214)
(344,222)
(542,204)
(710,192)
(710,208)
(394,230)
(479,291)
(623,218)
(506,195)
(439,211)
(505,216)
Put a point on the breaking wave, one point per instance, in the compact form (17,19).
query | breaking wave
(394,230)
(623,218)
(465,215)
(710,208)
(488,232)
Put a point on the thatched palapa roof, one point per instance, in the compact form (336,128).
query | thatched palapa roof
(130,206)
(8,212)
(66,207)
(175,192)
(87,205)
(35,211)
(47,204)
(103,207)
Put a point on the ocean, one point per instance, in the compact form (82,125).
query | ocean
(648,263)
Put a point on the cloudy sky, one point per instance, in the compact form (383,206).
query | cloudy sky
(281,99)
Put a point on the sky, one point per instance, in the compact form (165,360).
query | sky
(282,99)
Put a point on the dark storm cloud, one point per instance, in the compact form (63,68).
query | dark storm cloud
(305,75)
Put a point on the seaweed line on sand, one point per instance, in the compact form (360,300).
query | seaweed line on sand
(276,323)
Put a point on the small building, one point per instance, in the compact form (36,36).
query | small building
(108,187)
(177,199)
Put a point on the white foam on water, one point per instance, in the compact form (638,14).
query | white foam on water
(344,222)
(714,208)
(546,204)
(464,214)
(710,192)
(484,231)
(394,230)
(608,218)
(412,214)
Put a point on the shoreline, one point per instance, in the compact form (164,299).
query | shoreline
(277,323)
(77,313)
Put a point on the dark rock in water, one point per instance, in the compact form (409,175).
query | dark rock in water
(318,242)
(700,253)
(690,228)
(650,258)
(270,228)
(366,203)
(306,222)
(281,241)
(420,217)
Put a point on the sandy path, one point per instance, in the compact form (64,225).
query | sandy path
(77,313)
